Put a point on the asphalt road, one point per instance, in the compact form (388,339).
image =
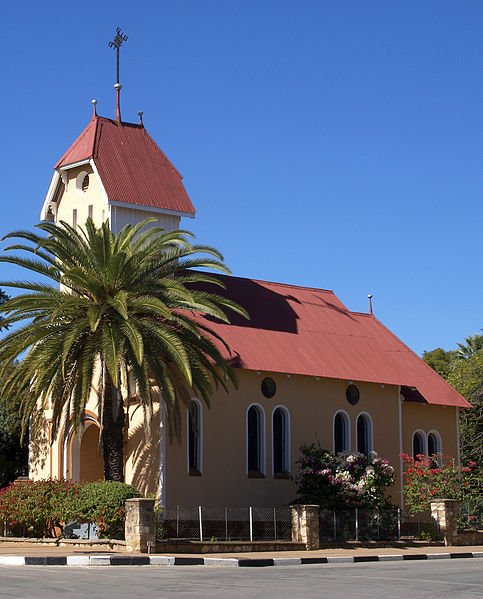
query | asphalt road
(455,579)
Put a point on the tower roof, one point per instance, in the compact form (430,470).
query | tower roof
(132,168)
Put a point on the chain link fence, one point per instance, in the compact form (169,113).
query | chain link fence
(360,525)
(226,524)
(471,516)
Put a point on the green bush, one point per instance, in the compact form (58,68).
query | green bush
(40,508)
(102,502)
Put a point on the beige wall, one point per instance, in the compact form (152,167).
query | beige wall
(311,404)
(426,418)
(73,198)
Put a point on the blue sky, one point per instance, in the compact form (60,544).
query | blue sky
(326,144)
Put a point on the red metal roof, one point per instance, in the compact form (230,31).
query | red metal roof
(299,330)
(132,168)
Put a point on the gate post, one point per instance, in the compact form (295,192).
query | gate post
(305,525)
(140,525)
(445,512)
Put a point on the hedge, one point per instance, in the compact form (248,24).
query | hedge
(42,508)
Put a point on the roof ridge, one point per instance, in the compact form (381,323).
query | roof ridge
(279,284)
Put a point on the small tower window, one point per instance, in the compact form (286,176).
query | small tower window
(85,183)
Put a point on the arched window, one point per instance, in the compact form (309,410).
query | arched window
(434,447)
(281,441)
(418,444)
(364,434)
(255,441)
(194,437)
(341,433)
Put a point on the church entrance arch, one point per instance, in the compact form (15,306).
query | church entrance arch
(82,459)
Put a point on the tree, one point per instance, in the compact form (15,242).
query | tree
(463,369)
(473,345)
(466,377)
(440,360)
(115,309)
(13,451)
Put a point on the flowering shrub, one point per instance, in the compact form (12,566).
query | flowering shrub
(425,480)
(37,509)
(342,482)
(40,508)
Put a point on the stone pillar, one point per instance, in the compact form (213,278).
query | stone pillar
(305,525)
(140,525)
(445,512)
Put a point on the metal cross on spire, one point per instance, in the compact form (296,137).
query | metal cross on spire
(116,43)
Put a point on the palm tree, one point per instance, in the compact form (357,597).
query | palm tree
(472,345)
(3,299)
(121,308)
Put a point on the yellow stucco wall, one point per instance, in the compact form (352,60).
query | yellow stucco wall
(75,199)
(311,404)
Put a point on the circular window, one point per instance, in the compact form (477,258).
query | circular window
(352,394)
(269,387)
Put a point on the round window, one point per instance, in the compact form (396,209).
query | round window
(269,387)
(352,394)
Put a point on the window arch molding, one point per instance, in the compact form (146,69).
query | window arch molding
(79,181)
(281,463)
(346,432)
(421,435)
(194,437)
(365,444)
(255,440)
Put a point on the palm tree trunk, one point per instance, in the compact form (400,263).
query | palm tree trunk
(113,432)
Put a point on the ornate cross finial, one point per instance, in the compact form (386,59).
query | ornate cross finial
(116,43)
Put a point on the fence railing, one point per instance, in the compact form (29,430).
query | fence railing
(471,516)
(360,525)
(202,523)
(226,523)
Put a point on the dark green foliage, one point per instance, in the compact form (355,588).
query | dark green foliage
(102,502)
(440,360)
(41,508)
(13,452)
(463,369)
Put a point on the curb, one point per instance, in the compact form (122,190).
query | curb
(163,560)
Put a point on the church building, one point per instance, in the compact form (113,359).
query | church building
(308,367)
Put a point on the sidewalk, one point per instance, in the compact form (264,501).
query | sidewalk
(43,554)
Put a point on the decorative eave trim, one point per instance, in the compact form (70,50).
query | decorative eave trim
(50,194)
(150,209)
(99,180)
(66,167)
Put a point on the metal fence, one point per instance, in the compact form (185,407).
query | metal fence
(226,524)
(471,515)
(360,525)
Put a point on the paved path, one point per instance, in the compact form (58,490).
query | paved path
(458,579)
